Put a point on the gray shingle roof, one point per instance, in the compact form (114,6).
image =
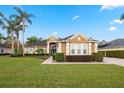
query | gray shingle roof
(65,38)
(39,43)
(114,43)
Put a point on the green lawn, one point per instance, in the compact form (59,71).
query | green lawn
(29,72)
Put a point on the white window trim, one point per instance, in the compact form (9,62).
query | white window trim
(76,48)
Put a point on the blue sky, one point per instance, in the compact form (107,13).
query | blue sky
(98,22)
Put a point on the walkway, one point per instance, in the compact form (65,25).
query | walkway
(107,60)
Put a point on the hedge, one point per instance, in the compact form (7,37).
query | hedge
(98,57)
(117,54)
(32,55)
(4,54)
(59,57)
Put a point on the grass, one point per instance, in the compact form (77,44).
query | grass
(29,72)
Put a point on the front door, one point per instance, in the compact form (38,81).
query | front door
(53,48)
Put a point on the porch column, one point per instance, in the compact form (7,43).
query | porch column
(96,47)
(59,47)
(67,48)
(48,47)
(89,45)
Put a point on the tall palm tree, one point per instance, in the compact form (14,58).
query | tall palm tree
(1,19)
(122,17)
(10,27)
(23,18)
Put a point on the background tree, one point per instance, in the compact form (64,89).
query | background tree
(1,38)
(122,17)
(23,19)
(40,51)
(9,26)
(33,39)
(1,20)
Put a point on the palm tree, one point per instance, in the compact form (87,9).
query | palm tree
(1,19)
(122,17)
(33,39)
(22,20)
(10,27)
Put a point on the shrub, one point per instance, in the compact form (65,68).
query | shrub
(40,51)
(59,57)
(117,54)
(98,56)
(53,56)
(15,55)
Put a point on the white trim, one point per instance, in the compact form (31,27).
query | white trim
(112,49)
(52,36)
(89,49)
(96,47)
(59,47)
(67,48)
(78,34)
(47,47)
(82,47)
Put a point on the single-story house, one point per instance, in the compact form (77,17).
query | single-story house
(114,45)
(75,47)
(4,49)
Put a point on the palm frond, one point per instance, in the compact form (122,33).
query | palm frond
(122,17)
(19,10)
(1,14)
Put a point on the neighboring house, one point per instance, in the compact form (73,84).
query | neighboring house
(31,48)
(75,47)
(4,49)
(115,45)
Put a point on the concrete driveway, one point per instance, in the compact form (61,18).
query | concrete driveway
(107,60)
(117,61)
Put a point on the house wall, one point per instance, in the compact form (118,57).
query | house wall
(5,50)
(32,50)
(63,47)
(49,40)
(52,39)
(112,49)
(79,40)
(93,47)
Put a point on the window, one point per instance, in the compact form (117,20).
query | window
(84,51)
(78,49)
(2,50)
(72,51)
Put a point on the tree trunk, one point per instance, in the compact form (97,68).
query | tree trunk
(12,43)
(23,43)
(18,44)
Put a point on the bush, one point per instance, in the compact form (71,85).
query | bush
(98,56)
(53,56)
(117,54)
(4,54)
(40,51)
(59,57)
(15,55)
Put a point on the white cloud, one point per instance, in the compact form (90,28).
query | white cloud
(118,21)
(112,28)
(54,33)
(76,17)
(110,7)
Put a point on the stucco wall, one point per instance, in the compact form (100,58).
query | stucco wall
(78,39)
